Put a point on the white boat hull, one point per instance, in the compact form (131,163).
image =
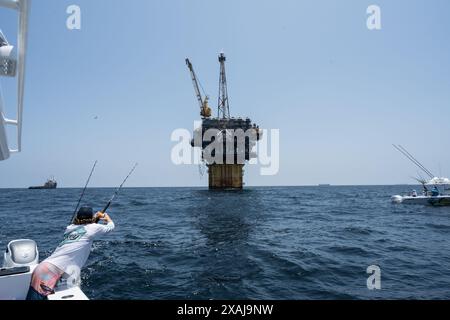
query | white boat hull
(15,287)
(423,200)
(67,293)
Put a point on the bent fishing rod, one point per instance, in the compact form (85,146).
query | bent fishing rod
(118,189)
(82,193)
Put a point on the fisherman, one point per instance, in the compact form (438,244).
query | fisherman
(414,194)
(71,254)
(435,192)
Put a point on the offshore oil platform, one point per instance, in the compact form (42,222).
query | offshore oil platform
(226,142)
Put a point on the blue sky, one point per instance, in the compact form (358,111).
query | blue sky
(339,93)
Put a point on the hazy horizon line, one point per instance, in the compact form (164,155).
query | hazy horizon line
(249,186)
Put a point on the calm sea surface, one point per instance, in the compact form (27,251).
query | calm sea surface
(260,243)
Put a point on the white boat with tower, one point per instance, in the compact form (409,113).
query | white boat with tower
(436,190)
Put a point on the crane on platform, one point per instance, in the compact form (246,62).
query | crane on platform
(205,110)
(223,105)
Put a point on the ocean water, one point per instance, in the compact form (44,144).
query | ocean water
(259,243)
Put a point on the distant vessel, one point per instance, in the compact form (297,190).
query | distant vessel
(50,184)
(439,194)
(435,193)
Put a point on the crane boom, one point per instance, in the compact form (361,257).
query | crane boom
(205,111)
(195,83)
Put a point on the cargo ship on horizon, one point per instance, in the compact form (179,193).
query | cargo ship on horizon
(50,184)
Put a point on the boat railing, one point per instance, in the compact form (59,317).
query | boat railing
(14,67)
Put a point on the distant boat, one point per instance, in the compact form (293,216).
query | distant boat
(50,184)
(441,196)
(441,200)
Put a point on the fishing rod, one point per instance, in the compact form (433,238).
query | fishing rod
(417,163)
(413,160)
(84,190)
(118,189)
(409,158)
(428,171)
(421,179)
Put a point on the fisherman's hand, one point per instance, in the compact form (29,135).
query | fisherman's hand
(103,216)
(100,215)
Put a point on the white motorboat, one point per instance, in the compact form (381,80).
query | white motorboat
(436,191)
(439,197)
(20,259)
(423,200)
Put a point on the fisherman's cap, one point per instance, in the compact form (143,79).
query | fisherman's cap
(85,213)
